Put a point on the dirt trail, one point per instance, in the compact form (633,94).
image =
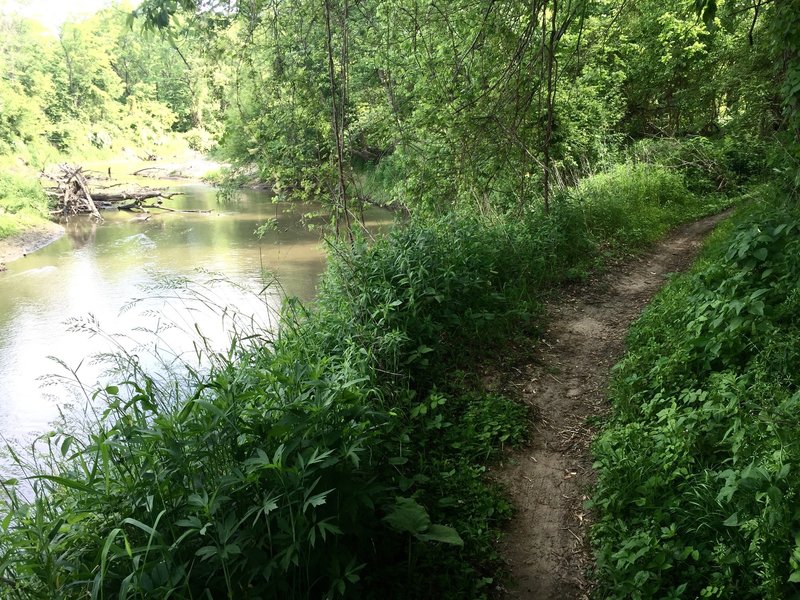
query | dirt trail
(546,546)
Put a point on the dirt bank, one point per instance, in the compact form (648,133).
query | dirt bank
(28,241)
(128,167)
(546,545)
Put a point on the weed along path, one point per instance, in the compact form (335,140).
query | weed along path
(546,545)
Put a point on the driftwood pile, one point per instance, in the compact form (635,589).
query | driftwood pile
(72,194)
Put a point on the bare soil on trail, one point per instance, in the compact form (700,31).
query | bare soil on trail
(546,544)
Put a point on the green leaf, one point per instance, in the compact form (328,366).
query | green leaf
(206,552)
(732,521)
(191,521)
(136,523)
(269,505)
(775,495)
(408,515)
(104,553)
(316,500)
(441,533)
(75,485)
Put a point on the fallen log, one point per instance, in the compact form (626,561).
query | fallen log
(138,206)
(72,195)
(141,195)
(141,172)
(177,210)
(87,196)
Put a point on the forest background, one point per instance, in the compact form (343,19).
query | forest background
(493,105)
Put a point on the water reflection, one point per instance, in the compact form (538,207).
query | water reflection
(81,231)
(99,269)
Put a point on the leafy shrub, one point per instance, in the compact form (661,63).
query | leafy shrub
(200,139)
(633,203)
(698,468)
(22,204)
(708,165)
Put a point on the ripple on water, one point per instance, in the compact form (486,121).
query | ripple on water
(140,240)
(37,272)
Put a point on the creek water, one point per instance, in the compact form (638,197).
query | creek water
(93,273)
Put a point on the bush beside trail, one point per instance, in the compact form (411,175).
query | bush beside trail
(699,467)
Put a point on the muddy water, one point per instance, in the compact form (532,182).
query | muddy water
(94,272)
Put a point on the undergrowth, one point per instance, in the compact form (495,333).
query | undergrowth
(699,467)
(341,457)
(22,204)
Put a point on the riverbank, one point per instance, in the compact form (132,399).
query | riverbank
(188,166)
(24,214)
(24,218)
(35,237)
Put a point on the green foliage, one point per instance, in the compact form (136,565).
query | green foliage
(339,459)
(698,466)
(709,165)
(200,139)
(25,77)
(100,86)
(450,104)
(784,27)
(634,204)
(342,458)
(22,204)
(687,76)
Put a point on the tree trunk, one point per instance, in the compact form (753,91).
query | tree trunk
(338,122)
(548,136)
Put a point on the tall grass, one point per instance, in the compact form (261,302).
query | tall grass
(343,458)
(22,204)
(655,199)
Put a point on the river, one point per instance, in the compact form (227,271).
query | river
(95,271)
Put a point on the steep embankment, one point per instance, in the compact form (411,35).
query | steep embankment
(546,545)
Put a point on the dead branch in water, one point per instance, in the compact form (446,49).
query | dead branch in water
(140,195)
(72,195)
(137,205)
(143,172)
(177,210)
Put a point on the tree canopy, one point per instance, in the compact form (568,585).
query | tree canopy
(490,103)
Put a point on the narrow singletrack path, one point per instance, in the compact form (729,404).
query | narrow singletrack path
(546,544)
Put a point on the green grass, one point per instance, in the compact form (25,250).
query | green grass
(699,467)
(634,205)
(22,204)
(344,457)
